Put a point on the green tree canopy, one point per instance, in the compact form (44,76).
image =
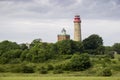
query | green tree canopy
(40,52)
(8,45)
(69,47)
(116,47)
(92,43)
(35,41)
(23,46)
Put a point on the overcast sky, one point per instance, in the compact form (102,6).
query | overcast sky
(22,21)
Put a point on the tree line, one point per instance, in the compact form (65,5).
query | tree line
(11,52)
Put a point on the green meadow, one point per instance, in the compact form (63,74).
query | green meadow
(35,76)
(59,78)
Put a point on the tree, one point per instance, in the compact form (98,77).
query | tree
(108,49)
(40,52)
(64,47)
(8,45)
(23,55)
(11,56)
(77,47)
(92,43)
(23,46)
(35,41)
(101,50)
(116,47)
(69,47)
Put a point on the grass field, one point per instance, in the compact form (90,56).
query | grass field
(21,76)
(59,78)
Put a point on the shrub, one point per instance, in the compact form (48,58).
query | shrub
(118,58)
(27,69)
(16,69)
(57,71)
(43,70)
(80,62)
(107,60)
(3,60)
(50,67)
(114,62)
(66,56)
(14,61)
(104,64)
(2,69)
(66,66)
(105,72)
(116,67)
(59,66)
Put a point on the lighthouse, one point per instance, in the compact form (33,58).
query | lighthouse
(77,28)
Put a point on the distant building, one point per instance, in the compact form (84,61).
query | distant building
(63,35)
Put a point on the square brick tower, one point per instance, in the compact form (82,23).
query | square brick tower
(63,35)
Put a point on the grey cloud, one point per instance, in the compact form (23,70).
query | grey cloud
(63,3)
(15,0)
(101,9)
(88,9)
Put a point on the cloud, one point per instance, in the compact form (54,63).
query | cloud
(15,0)
(100,9)
(24,20)
(94,9)
(61,3)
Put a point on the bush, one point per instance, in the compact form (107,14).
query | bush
(66,66)
(27,69)
(14,61)
(2,69)
(3,60)
(110,55)
(114,62)
(108,60)
(43,70)
(118,58)
(59,66)
(58,71)
(116,67)
(106,72)
(16,69)
(50,67)
(80,62)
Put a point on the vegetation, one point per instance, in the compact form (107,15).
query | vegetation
(80,62)
(93,44)
(87,58)
(106,72)
(43,70)
(59,78)
(116,47)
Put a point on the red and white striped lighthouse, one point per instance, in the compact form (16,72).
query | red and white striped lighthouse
(77,28)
